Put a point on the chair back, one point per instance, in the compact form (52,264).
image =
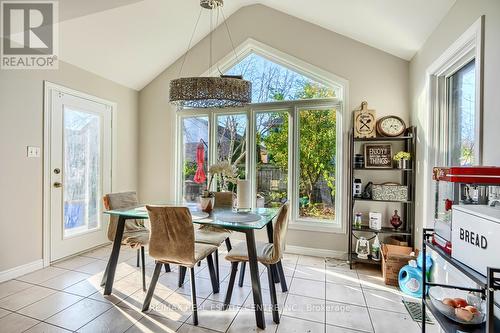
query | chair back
(224,200)
(279,233)
(120,201)
(172,235)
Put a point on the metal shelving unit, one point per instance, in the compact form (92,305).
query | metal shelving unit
(487,285)
(407,177)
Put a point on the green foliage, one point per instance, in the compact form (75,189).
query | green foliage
(317,143)
(189,169)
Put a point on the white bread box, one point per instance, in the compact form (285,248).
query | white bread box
(476,236)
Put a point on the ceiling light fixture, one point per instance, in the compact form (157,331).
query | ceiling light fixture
(210,91)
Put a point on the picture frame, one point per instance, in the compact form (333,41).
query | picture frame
(378,155)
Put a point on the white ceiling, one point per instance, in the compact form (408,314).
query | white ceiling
(132,41)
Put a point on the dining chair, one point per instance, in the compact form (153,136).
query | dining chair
(213,235)
(269,254)
(173,241)
(135,234)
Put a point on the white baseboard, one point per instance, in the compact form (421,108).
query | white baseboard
(309,251)
(21,270)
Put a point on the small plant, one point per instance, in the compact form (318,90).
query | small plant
(402,155)
(227,172)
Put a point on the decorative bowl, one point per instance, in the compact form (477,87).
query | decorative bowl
(438,294)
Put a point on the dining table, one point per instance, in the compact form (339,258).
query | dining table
(217,217)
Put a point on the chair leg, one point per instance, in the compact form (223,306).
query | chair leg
(228,244)
(152,286)
(232,278)
(143,258)
(193,298)
(276,277)
(242,274)
(182,275)
(217,266)
(272,292)
(213,274)
(199,263)
(284,287)
(138,256)
(167,268)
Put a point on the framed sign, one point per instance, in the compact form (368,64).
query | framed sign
(378,156)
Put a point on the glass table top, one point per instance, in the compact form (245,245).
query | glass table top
(214,218)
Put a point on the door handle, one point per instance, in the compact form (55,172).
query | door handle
(57,184)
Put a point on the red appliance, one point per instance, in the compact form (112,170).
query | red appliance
(478,185)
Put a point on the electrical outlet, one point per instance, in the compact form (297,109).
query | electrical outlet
(33,152)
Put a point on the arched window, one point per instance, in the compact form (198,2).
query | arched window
(288,142)
(272,82)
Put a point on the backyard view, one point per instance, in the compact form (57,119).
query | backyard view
(317,141)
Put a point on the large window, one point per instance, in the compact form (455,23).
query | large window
(461,87)
(285,143)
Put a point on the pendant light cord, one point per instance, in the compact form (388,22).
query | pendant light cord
(229,35)
(190,41)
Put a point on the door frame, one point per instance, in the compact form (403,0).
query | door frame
(48,87)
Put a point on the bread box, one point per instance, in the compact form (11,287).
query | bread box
(476,236)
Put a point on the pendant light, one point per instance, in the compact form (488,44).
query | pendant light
(210,91)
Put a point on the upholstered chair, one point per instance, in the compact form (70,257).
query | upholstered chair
(135,234)
(269,254)
(172,241)
(213,235)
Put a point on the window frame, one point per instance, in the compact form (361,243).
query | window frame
(470,45)
(251,111)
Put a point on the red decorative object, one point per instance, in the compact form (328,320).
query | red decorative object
(470,175)
(199,176)
(396,220)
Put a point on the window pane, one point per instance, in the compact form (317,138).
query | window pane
(82,171)
(317,145)
(271,139)
(231,145)
(462,116)
(273,82)
(194,156)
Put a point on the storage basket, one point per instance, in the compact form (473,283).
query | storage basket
(390,192)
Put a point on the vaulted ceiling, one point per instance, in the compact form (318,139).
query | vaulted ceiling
(132,41)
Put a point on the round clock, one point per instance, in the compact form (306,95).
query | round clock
(390,126)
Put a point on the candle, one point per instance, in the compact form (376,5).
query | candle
(243,194)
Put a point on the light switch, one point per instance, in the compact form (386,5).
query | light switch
(33,151)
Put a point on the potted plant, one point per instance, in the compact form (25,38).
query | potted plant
(227,173)
(402,159)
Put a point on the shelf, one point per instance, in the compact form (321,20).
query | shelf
(449,326)
(365,261)
(371,200)
(478,278)
(382,169)
(385,230)
(398,138)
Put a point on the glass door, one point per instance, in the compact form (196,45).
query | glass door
(80,173)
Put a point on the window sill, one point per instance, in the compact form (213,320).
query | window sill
(332,228)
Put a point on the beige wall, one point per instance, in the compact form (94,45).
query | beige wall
(461,16)
(373,75)
(21,124)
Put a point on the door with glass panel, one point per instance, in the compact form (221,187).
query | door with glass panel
(80,173)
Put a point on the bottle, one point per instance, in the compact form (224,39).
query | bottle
(376,249)
(357,221)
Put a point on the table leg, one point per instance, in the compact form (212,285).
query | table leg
(254,273)
(113,258)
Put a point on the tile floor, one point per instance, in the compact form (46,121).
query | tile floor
(324,296)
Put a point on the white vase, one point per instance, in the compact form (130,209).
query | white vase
(207,204)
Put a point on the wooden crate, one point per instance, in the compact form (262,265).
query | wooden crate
(394,257)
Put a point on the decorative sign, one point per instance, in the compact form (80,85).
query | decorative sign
(364,122)
(378,156)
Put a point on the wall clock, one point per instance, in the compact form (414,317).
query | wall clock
(390,126)
(364,122)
